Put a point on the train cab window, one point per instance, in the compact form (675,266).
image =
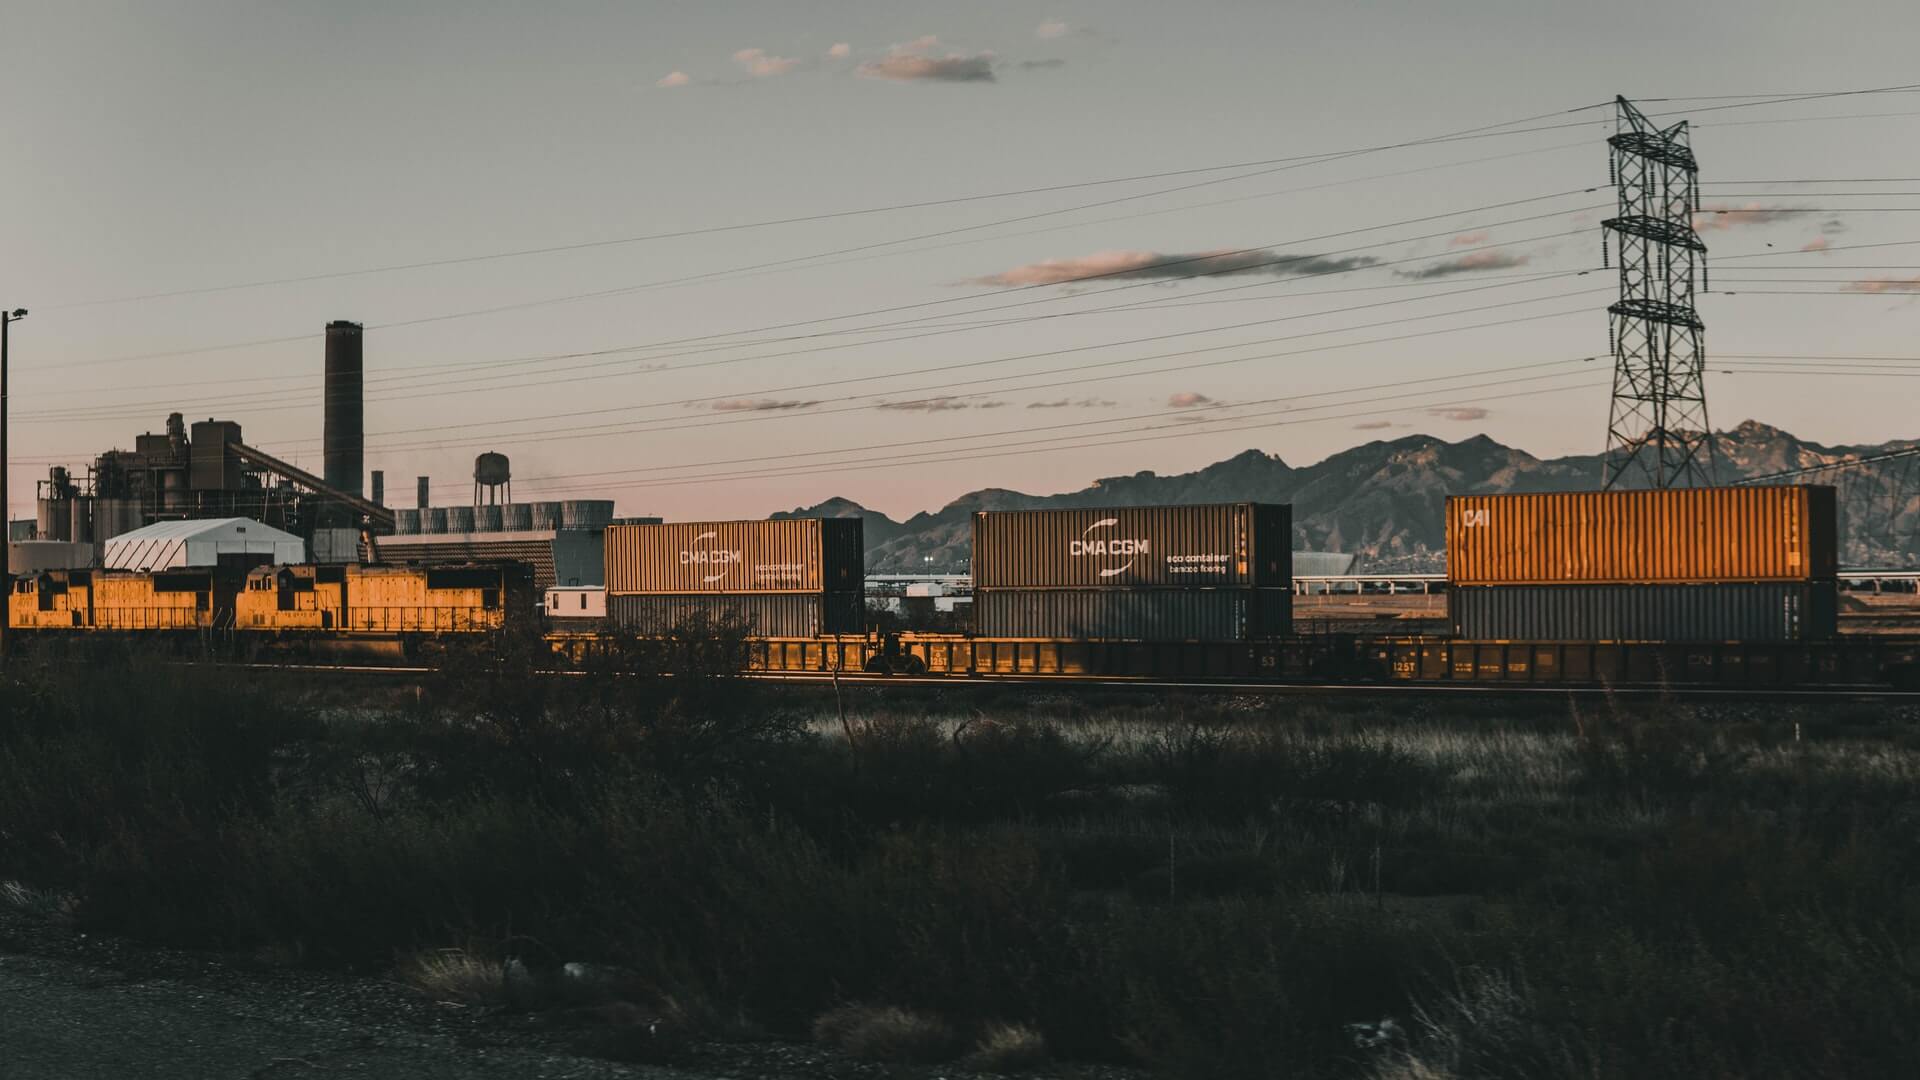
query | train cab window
(23,585)
(489,598)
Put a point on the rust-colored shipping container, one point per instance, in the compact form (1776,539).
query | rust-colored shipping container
(791,555)
(1224,544)
(1679,536)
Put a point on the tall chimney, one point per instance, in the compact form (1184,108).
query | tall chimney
(343,441)
(423,493)
(379,488)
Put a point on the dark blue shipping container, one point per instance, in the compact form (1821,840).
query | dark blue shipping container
(1763,611)
(1134,614)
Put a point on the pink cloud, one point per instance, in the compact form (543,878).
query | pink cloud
(1373,425)
(1883,285)
(673,80)
(915,61)
(1464,412)
(1722,218)
(1188,399)
(1052,28)
(758,405)
(840,51)
(1469,239)
(1818,243)
(760,64)
(1155,264)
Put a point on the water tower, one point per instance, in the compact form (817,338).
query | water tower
(490,478)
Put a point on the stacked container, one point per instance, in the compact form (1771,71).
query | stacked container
(1219,572)
(797,577)
(1697,564)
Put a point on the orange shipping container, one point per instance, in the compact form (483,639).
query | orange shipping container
(1676,536)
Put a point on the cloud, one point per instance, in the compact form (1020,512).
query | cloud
(840,51)
(1041,65)
(1188,399)
(1470,263)
(761,65)
(940,405)
(914,61)
(1373,425)
(758,405)
(1151,264)
(1883,285)
(1052,28)
(1068,403)
(674,80)
(1467,412)
(1818,243)
(1723,217)
(1469,239)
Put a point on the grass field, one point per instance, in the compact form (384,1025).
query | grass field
(1230,887)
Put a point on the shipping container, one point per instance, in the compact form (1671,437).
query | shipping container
(792,555)
(1231,544)
(777,615)
(1619,537)
(1748,611)
(1134,614)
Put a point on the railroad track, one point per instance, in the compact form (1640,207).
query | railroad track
(1484,690)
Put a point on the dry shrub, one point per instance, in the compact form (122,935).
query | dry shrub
(458,975)
(627,1032)
(886,1033)
(1008,1049)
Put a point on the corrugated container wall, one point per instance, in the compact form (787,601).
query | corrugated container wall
(793,555)
(1620,537)
(1751,611)
(1134,614)
(769,614)
(1230,544)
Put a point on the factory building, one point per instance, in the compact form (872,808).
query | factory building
(193,475)
(223,542)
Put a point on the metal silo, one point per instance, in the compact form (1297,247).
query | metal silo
(459,519)
(586,513)
(516,517)
(488,518)
(81,529)
(546,515)
(343,439)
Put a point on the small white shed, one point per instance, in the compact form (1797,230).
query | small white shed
(169,545)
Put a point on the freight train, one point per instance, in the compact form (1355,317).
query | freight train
(1729,587)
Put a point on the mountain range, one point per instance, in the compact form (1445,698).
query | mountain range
(1384,500)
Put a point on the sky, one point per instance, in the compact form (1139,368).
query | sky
(715,260)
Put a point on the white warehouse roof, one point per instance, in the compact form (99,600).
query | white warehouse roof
(168,545)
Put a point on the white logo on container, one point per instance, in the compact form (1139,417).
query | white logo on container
(710,557)
(1104,546)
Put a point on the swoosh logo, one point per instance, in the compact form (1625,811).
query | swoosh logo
(710,578)
(1102,524)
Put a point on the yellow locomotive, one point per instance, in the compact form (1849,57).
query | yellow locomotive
(351,600)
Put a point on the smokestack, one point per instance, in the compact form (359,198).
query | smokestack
(423,493)
(343,440)
(379,488)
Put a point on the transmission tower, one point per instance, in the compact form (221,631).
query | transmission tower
(1657,434)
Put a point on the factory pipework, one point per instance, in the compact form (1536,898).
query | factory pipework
(343,440)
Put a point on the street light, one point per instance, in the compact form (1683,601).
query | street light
(7,319)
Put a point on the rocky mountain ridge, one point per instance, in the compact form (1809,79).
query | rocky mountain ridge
(1384,500)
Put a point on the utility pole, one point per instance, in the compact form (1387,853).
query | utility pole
(7,319)
(1657,433)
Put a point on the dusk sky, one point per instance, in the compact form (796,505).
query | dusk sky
(916,354)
